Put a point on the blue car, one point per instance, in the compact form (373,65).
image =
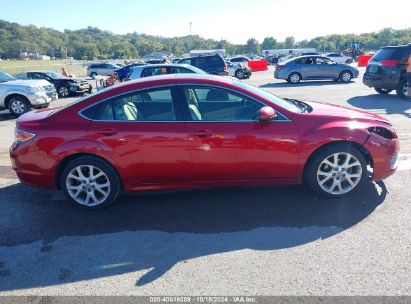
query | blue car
(314,68)
(126,70)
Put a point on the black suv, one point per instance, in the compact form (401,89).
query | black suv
(386,70)
(213,64)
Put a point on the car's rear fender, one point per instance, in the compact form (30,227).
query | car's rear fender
(73,149)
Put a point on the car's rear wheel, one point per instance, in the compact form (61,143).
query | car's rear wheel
(63,91)
(18,105)
(336,170)
(90,183)
(345,76)
(239,74)
(93,74)
(294,78)
(402,89)
(383,91)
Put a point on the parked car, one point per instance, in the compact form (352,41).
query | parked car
(285,58)
(154,61)
(213,64)
(339,58)
(314,68)
(238,70)
(240,59)
(19,96)
(65,86)
(126,70)
(386,71)
(161,69)
(272,60)
(192,130)
(103,69)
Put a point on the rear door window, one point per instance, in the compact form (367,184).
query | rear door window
(398,53)
(150,105)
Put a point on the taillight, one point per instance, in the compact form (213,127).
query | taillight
(389,63)
(21,136)
(225,68)
(279,67)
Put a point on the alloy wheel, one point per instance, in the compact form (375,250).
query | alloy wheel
(88,185)
(294,78)
(346,76)
(63,91)
(339,173)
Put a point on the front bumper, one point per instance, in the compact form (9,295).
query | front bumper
(80,88)
(384,154)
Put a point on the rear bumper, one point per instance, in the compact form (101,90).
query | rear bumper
(384,154)
(30,167)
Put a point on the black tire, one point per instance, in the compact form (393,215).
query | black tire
(294,78)
(239,74)
(63,91)
(345,76)
(113,190)
(310,172)
(383,91)
(18,105)
(402,89)
(93,74)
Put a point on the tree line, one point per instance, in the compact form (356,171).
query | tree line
(93,43)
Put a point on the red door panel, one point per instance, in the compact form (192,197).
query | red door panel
(243,150)
(146,152)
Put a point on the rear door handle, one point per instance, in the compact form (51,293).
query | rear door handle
(107,131)
(202,133)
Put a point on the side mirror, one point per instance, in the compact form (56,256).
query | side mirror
(266,114)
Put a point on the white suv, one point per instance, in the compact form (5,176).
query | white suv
(19,96)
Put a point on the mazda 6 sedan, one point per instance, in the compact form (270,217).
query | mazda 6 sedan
(193,130)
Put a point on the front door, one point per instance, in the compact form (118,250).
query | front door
(145,135)
(228,143)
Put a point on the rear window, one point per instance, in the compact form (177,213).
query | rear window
(395,53)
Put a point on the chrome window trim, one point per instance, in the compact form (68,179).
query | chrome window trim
(286,119)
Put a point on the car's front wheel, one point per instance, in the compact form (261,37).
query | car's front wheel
(239,74)
(345,76)
(63,91)
(90,183)
(336,170)
(383,91)
(18,105)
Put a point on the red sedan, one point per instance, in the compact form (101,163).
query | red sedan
(187,131)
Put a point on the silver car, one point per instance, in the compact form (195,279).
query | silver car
(314,68)
(104,69)
(161,69)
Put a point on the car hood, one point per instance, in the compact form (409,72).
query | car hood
(40,83)
(333,111)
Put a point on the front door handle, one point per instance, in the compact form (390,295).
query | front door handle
(107,131)
(202,133)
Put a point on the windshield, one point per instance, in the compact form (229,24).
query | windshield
(6,77)
(271,97)
(54,75)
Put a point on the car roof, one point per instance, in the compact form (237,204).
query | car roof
(189,77)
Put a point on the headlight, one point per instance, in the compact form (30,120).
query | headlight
(33,90)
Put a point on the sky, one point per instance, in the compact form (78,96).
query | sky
(233,20)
